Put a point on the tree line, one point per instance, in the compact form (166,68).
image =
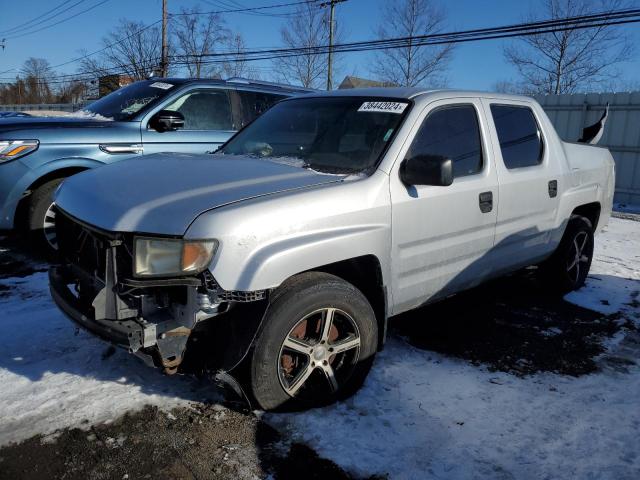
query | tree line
(569,61)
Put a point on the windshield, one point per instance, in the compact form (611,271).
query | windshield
(125,102)
(330,134)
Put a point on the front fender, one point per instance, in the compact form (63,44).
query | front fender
(269,266)
(264,241)
(28,177)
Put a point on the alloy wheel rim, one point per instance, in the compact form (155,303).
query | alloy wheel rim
(577,256)
(320,350)
(49,227)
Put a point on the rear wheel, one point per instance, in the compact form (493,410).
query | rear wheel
(566,270)
(41,216)
(317,344)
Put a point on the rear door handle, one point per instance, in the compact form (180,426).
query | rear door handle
(486,202)
(553,188)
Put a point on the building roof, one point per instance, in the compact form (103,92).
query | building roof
(357,82)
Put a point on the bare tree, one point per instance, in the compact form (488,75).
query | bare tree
(37,75)
(131,49)
(197,36)
(237,66)
(71,91)
(308,28)
(574,59)
(412,64)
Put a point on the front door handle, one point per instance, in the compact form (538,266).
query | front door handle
(119,148)
(486,202)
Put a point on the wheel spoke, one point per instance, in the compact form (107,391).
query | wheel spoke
(49,225)
(327,322)
(297,345)
(572,264)
(344,345)
(331,378)
(299,380)
(584,244)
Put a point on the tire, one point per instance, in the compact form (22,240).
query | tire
(568,267)
(41,218)
(297,313)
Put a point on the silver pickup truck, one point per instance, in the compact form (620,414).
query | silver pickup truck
(282,256)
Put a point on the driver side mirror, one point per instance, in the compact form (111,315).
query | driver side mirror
(427,170)
(167,121)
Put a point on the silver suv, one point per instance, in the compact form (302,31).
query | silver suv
(281,257)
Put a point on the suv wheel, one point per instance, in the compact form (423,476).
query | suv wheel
(41,217)
(567,269)
(317,345)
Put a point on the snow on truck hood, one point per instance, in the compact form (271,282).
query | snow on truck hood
(164,193)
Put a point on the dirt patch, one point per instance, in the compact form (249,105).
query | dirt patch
(205,442)
(512,325)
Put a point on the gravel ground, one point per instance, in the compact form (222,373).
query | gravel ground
(207,441)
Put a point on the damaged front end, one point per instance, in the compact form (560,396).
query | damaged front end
(153,318)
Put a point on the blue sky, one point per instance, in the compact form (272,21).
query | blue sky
(475,65)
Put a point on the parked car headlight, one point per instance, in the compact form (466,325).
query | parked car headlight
(165,257)
(12,149)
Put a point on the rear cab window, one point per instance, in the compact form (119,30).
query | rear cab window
(519,135)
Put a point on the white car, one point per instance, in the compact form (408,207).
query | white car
(281,257)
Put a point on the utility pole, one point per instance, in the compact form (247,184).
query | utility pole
(164,64)
(332,5)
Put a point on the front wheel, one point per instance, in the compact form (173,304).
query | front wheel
(317,345)
(41,218)
(566,270)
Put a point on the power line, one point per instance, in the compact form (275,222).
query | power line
(514,30)
(246,9)
(60,21)
(238,10)
(523,29)
(28,22)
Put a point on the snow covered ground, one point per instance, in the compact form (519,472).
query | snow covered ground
(425,415)
(51,377)
(420,415)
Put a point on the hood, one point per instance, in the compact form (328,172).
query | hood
(164,193)
(34,123)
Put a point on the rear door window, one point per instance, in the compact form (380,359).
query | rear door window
(255,104)
(208,109)
(452,132)
(519,135)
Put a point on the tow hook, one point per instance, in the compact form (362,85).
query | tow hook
(171,347)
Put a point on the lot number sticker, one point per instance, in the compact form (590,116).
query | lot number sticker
(383,107)
(162,85)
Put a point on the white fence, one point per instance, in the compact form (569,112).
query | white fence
(571,113)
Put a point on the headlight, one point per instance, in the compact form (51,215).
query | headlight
(12,149)
(164,257)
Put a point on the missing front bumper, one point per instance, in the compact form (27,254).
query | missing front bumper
(162,343)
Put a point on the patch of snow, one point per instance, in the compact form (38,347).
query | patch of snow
(291,161)
(78,114)
(424,415)
(54,376)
